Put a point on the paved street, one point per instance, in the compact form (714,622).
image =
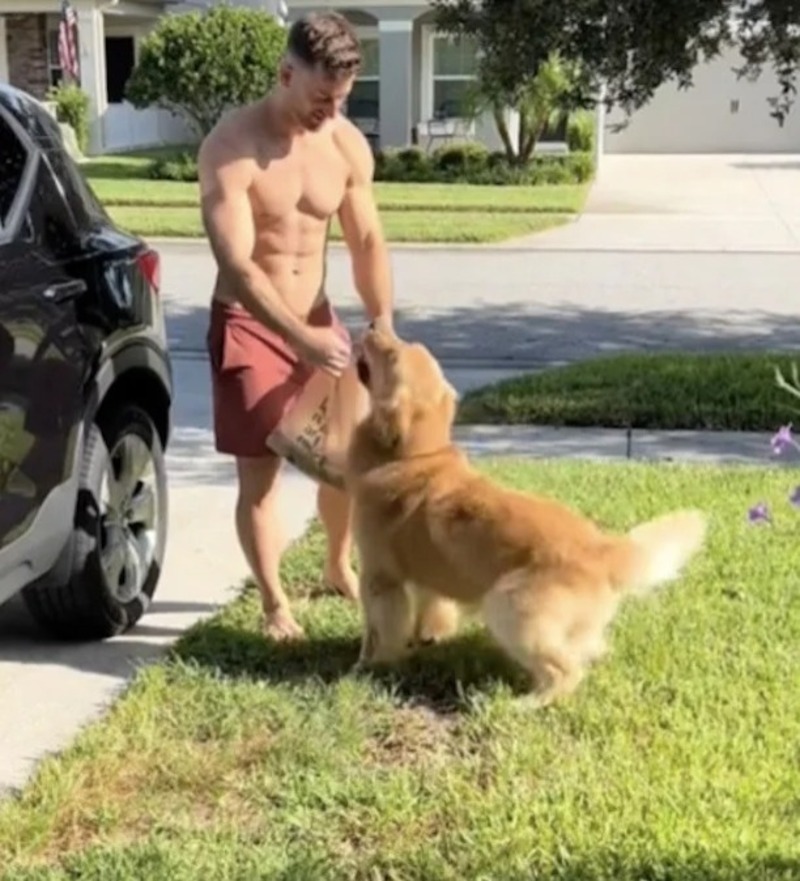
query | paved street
(544,307)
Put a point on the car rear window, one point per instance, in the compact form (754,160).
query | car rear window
(13,157)
(87,208)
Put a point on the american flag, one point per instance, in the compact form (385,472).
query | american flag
(68,43)
(282,13)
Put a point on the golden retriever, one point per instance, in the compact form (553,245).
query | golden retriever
(435,536)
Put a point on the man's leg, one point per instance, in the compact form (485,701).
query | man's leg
(262,540)
(335,513)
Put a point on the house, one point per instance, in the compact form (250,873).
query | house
(410,88)
(718,114)
(109,33)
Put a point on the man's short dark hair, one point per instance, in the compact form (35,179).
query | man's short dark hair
(326,41)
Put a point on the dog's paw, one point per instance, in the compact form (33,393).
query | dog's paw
(439,621)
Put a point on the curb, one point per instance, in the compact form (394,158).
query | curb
(488,364)
(680,446)
(195,242)
(532,247)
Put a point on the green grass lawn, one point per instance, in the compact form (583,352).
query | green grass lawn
(411,212)
(676,760)
(545,199)
(399,226)
(735,392)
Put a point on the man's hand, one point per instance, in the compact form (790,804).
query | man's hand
(324,347)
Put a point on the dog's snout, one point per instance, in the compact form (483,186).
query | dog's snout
(371,325)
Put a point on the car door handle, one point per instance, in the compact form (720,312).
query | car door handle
(65,290)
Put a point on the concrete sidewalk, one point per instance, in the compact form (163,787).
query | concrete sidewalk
(728,447)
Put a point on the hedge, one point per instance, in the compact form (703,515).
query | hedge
(459,163)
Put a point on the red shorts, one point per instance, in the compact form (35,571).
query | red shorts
(255,376)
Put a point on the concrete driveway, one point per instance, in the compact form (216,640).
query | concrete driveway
(687,203)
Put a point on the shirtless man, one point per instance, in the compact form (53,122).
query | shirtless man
(272,175)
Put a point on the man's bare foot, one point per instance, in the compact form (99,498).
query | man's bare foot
(343,580)
(281,626)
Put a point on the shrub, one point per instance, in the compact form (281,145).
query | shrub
(581,131)
(181,167)
(72,107)
(404,165)
(459,163)
(474,164)
(198,65)
(460,159)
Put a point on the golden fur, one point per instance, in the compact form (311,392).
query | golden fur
(434,535)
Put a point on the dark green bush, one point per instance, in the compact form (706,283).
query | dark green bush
(581,131)
(407,164)
(457,163)
(181,167)
(474,164)
(460,159)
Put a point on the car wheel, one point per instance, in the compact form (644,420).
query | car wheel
(117,549)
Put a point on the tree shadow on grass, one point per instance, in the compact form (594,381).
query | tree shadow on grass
(439,677)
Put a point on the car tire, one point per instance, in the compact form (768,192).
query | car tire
(111,567)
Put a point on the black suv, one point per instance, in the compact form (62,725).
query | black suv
(85,392)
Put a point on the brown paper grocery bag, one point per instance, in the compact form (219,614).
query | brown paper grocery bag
(315,433)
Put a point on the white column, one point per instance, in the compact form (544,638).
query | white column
(396,60)
(92,54)
(4,75)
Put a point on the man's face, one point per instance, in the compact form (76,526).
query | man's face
(315,96)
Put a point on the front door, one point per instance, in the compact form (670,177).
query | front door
(43,353)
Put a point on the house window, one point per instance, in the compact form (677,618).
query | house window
(120,61)
(364,99)
(53,65)
(454,66)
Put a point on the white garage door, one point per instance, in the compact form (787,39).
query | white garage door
(718,114)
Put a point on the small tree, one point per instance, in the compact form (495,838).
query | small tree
(538,100)
(199,64)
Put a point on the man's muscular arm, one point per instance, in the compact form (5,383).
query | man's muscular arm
(362,228)
(225,178)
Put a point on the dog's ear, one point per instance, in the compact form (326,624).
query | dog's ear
(391,419)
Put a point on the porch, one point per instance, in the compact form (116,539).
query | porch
(109,37)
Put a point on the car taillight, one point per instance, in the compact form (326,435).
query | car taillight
(150,263)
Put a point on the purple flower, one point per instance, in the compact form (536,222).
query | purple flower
(794,498)
(783,440)
(759,514)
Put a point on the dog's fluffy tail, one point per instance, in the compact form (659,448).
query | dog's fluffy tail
(655,552)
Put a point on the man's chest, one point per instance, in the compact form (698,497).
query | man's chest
(312,182)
